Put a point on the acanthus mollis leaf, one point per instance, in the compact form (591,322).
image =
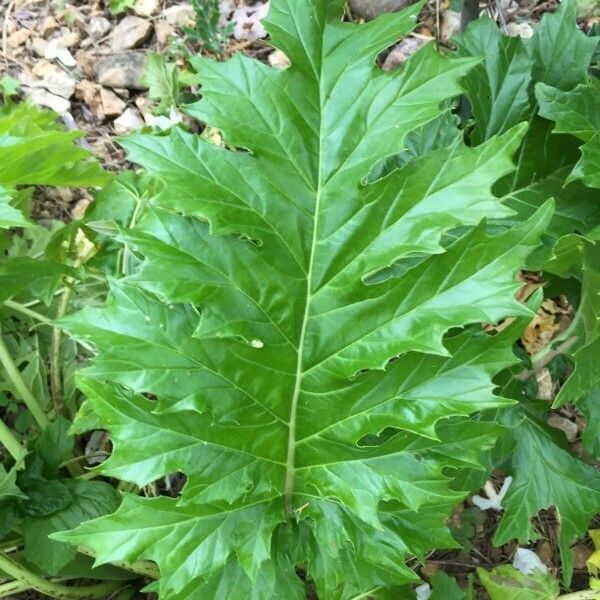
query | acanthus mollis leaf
(545,475)
(299,327)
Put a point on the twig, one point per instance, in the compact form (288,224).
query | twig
(501,16)
(21,387)
(9,9)
(55,590)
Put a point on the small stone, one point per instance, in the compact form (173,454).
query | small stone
(146,8)
(523,30)
(371,9)
(59,83)
(279,60)
(55,50)
(112,105)
(18,38)
(42,97)
(565,425)
(80,208)
(86,63)
(164,32)
(49,26)
(131,32)
(122,70)
(402,52)
(38,46)
(179,15)
(130,120)
(451,24)
(98,27)
(89,92)
(70,38)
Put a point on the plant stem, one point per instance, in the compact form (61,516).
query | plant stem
(11,443)
(145,568)
(17,306)
(55,374)
(24,392)
(13,587)
(55,590)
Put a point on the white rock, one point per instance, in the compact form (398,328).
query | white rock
(112,105)
(130,120)
(423,591)
(131,32)
(523,30)
(528,561)
(98,27)
(55,50)
(279,60)
(494,500)
(146,8)
(162,122)
(178,15)
(451,24)
(42,97)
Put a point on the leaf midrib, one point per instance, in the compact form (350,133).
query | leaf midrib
(290,468)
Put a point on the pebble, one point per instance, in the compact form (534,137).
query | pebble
(131,32)
(18,38)
(121,70)
(451,24)
(146,8)
(55,50)
(279,60)
(523,30)
(178,15)
(130,120)
(112,105)
(402,52)
(371,9)
(98,27)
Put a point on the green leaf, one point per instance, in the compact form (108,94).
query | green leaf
(10,216)
(590,407)
(36,152)
(54,445)
(119,6)
(90,499)
(506,583)
(162,80)
(444,587)
(561,52)
(8,485)
(546,474)
(9,86)
(298,329)
(498,88)
(577,113)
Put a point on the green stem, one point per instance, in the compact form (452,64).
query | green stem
(101,591)
(11,443)
(13,587)
(24,392)
(55,373)
(18,307)
(145,568)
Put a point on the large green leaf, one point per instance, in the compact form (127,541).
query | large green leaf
(506,583)
(299,328)
(545,474)
(577,112)
(33,150)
